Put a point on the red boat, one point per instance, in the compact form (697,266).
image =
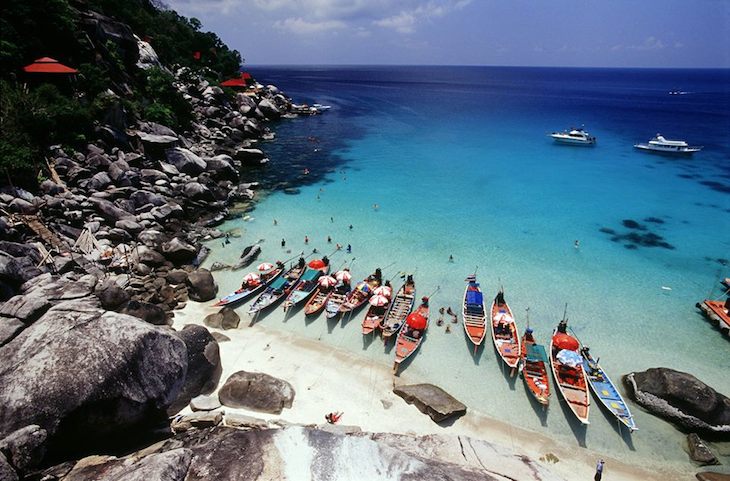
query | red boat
(411,335)
(504,332)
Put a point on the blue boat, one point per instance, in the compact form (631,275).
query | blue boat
(606,392)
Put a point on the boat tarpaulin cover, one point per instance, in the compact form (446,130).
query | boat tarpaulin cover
(474,297)
(570,358)
(536,352)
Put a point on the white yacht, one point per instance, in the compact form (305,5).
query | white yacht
(660,144)
(321,107)
(574,137)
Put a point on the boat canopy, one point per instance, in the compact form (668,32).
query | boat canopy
(311,274)
(565,341)
(536,352)
(569,358)
(474,297)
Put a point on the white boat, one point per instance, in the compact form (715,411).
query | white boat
(573,137)
(321,107)
(660,144)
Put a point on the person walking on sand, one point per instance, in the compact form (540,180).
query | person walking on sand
(599,470)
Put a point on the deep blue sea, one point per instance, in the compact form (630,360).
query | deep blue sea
(458,161)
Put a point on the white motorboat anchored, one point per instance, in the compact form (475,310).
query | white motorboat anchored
(574,137)
(321,107)
(660,144)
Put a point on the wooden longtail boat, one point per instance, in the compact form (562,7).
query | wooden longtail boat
(307,283)
(250,287)
(361,293)
(377,312)
(473,312)
(278,289)
(504,332)
(533,368)
(316,303)
(605,390)
(718,313)
(567,366)
(337,298)
(399,310)
(411,335)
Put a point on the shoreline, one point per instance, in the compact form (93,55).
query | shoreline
(323,385)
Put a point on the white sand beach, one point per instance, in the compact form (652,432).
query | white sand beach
(328,379)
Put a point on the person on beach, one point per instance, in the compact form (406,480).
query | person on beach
(332,418)
(228,238)
(283,243)
(448,329)
(338,246)
(349,249)
(599,470)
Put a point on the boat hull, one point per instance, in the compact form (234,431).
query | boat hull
(574,388)
(407,344)
(504,333)
(241,296)
(474,316)
(534,371)
(605,391)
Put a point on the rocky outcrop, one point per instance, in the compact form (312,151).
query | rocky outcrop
(431,400)
(201,286)
(226,318)
(170,465)
(295,452)
(681,398)
(204,365)
(709,476)
(87,376)
(256,391)
(25,447)
(185,161)
(699,452)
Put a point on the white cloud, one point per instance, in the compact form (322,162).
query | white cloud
(303,27)
(405,21)
(651,43)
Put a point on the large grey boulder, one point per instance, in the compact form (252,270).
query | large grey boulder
(88,376)
(99,181)
(201,286)
(108,210)
(166,212)
(151,313)
(171,465)
(221,168)
(226,318)
(26,308)
(9,328)
(256,391)
(197,191)
(251,156)
(7,473)
(25,447)
(710,476)
(699,452)
(111,295)
(431,400)
(185,161)
(269,110)
(681,398)
(204,365)
(149,256)
(179,251)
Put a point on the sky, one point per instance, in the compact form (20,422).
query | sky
(580,33)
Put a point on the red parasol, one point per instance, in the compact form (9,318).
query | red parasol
(265,266)
(317,264)
(251,277)
(416,321)
(565,341)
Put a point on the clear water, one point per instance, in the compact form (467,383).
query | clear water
(458,162)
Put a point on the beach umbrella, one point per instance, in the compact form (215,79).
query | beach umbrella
(327,281)
(363,287)
(317,264)
(565,341)
(266,266)
(343,276)
(570,358)
(383,291)
(416,321)
(251,277)
(379,301)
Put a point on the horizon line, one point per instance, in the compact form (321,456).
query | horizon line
(472,65)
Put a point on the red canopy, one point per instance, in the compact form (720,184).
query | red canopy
(243,81)
(416,321)
(317,264)
(49,65)
(565,341)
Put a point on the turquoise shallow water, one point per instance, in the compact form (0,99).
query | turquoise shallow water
(459,164)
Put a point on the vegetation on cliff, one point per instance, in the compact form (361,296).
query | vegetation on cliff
(98,38)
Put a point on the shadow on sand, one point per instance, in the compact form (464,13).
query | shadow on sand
(407,362)
(618,426)
(507,372)
(540,410)
(475,351)
(579,429)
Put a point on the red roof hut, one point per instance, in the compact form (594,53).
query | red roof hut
(48,65)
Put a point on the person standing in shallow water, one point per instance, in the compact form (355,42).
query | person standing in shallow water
(283,243)
(599,470)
